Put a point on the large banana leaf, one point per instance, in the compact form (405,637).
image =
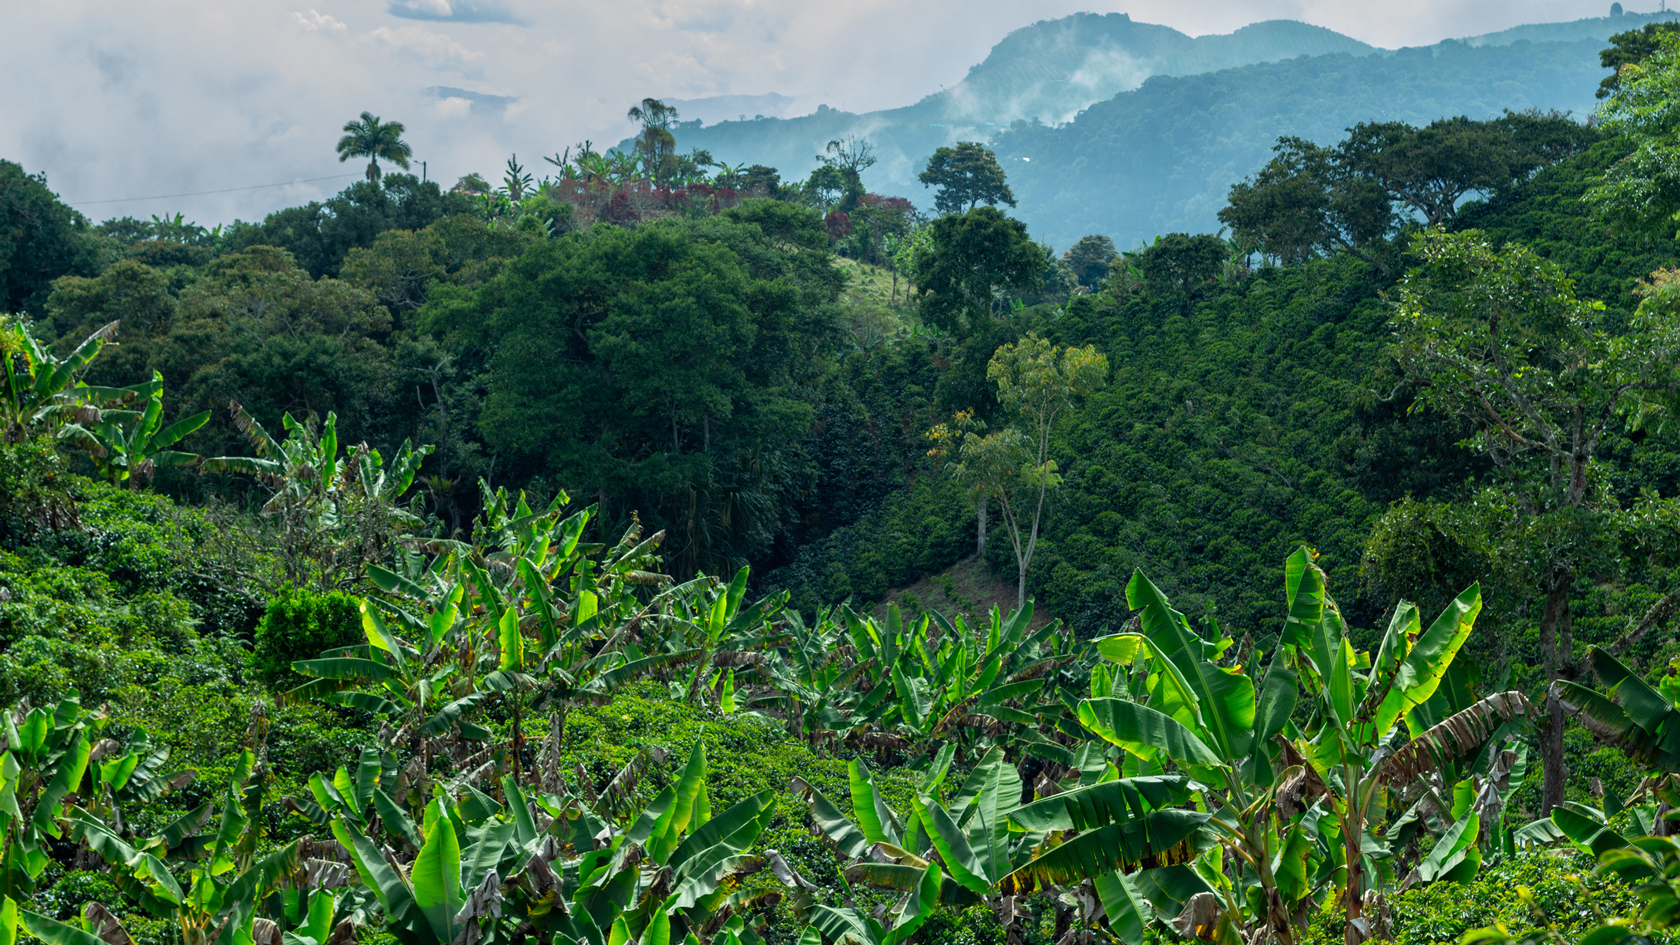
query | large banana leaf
(874,818)
(1158,838)
(1129,913)
(1224,698)
(917,907)
(1101,804)
(1145,732)
(988,796)
(836,826)
(970,868)
(1426,661)
(735,829)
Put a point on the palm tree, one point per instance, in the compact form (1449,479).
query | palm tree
(373,139)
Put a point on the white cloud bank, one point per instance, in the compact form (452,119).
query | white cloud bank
(159,97)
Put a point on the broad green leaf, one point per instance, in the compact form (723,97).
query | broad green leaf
(674,822)
(1276,703)
(1303,586)
(1449,848)
(52,931)
(1159,838)
(735,829)
(390,886)
(869,808)
(920,904)
(988,796)
(436,876)
(1427,660)
(965,866)
(8,922)
(1586,828)
(846,836)
(510,641)
(1144,731)
(1129,913)
(658,931)
(1289,868)
(1100,804)
(1338,683)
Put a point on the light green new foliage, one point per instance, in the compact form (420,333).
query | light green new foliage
(1036,383)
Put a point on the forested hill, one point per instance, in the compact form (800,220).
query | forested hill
(1049,70)
(1161,159)
(1168,124)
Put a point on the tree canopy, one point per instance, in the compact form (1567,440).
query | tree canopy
(967,175)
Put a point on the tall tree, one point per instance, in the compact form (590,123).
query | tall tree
(1630,48)
(40,240)
(967,175)
(373,139)
(968,261)
(1643,189)
(1500,339)
(1304,202)
(1090,258)
(849,157)
(656,144)
(1036,383)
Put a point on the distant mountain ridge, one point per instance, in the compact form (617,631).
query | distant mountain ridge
(1057,72)
(1049,71)
(1054,68)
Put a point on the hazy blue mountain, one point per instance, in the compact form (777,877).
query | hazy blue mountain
(1135,129)
(1049,70)
(1162,158)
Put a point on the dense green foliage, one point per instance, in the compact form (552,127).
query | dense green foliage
(300,624)
(338,571)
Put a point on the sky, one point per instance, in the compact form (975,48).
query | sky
(169,99)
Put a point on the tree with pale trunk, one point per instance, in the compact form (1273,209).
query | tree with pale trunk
(1037,382)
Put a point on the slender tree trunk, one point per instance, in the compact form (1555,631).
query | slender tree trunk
(980,528)
(1554,621)
(1352,851)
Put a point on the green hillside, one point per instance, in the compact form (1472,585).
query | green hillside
(1162,158)
(650,556)
(1140,129)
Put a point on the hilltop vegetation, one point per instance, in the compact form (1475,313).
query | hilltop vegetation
(509,563)
(1134,130)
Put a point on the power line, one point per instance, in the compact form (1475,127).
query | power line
(203,193)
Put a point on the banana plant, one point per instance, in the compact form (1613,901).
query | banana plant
(1354,751)
(336,512)
(670,874)
(130,444)
(407,683)
(227,884)
(985,846)
(1186,698)
(907,687)
(46,761)
(1641,720)
(38,385)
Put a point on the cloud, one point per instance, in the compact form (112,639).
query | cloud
(432,49)
(453,107)
(471,102)
(204,96)
(319,22)
(454,11)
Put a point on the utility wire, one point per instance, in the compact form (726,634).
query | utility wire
(202,193)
